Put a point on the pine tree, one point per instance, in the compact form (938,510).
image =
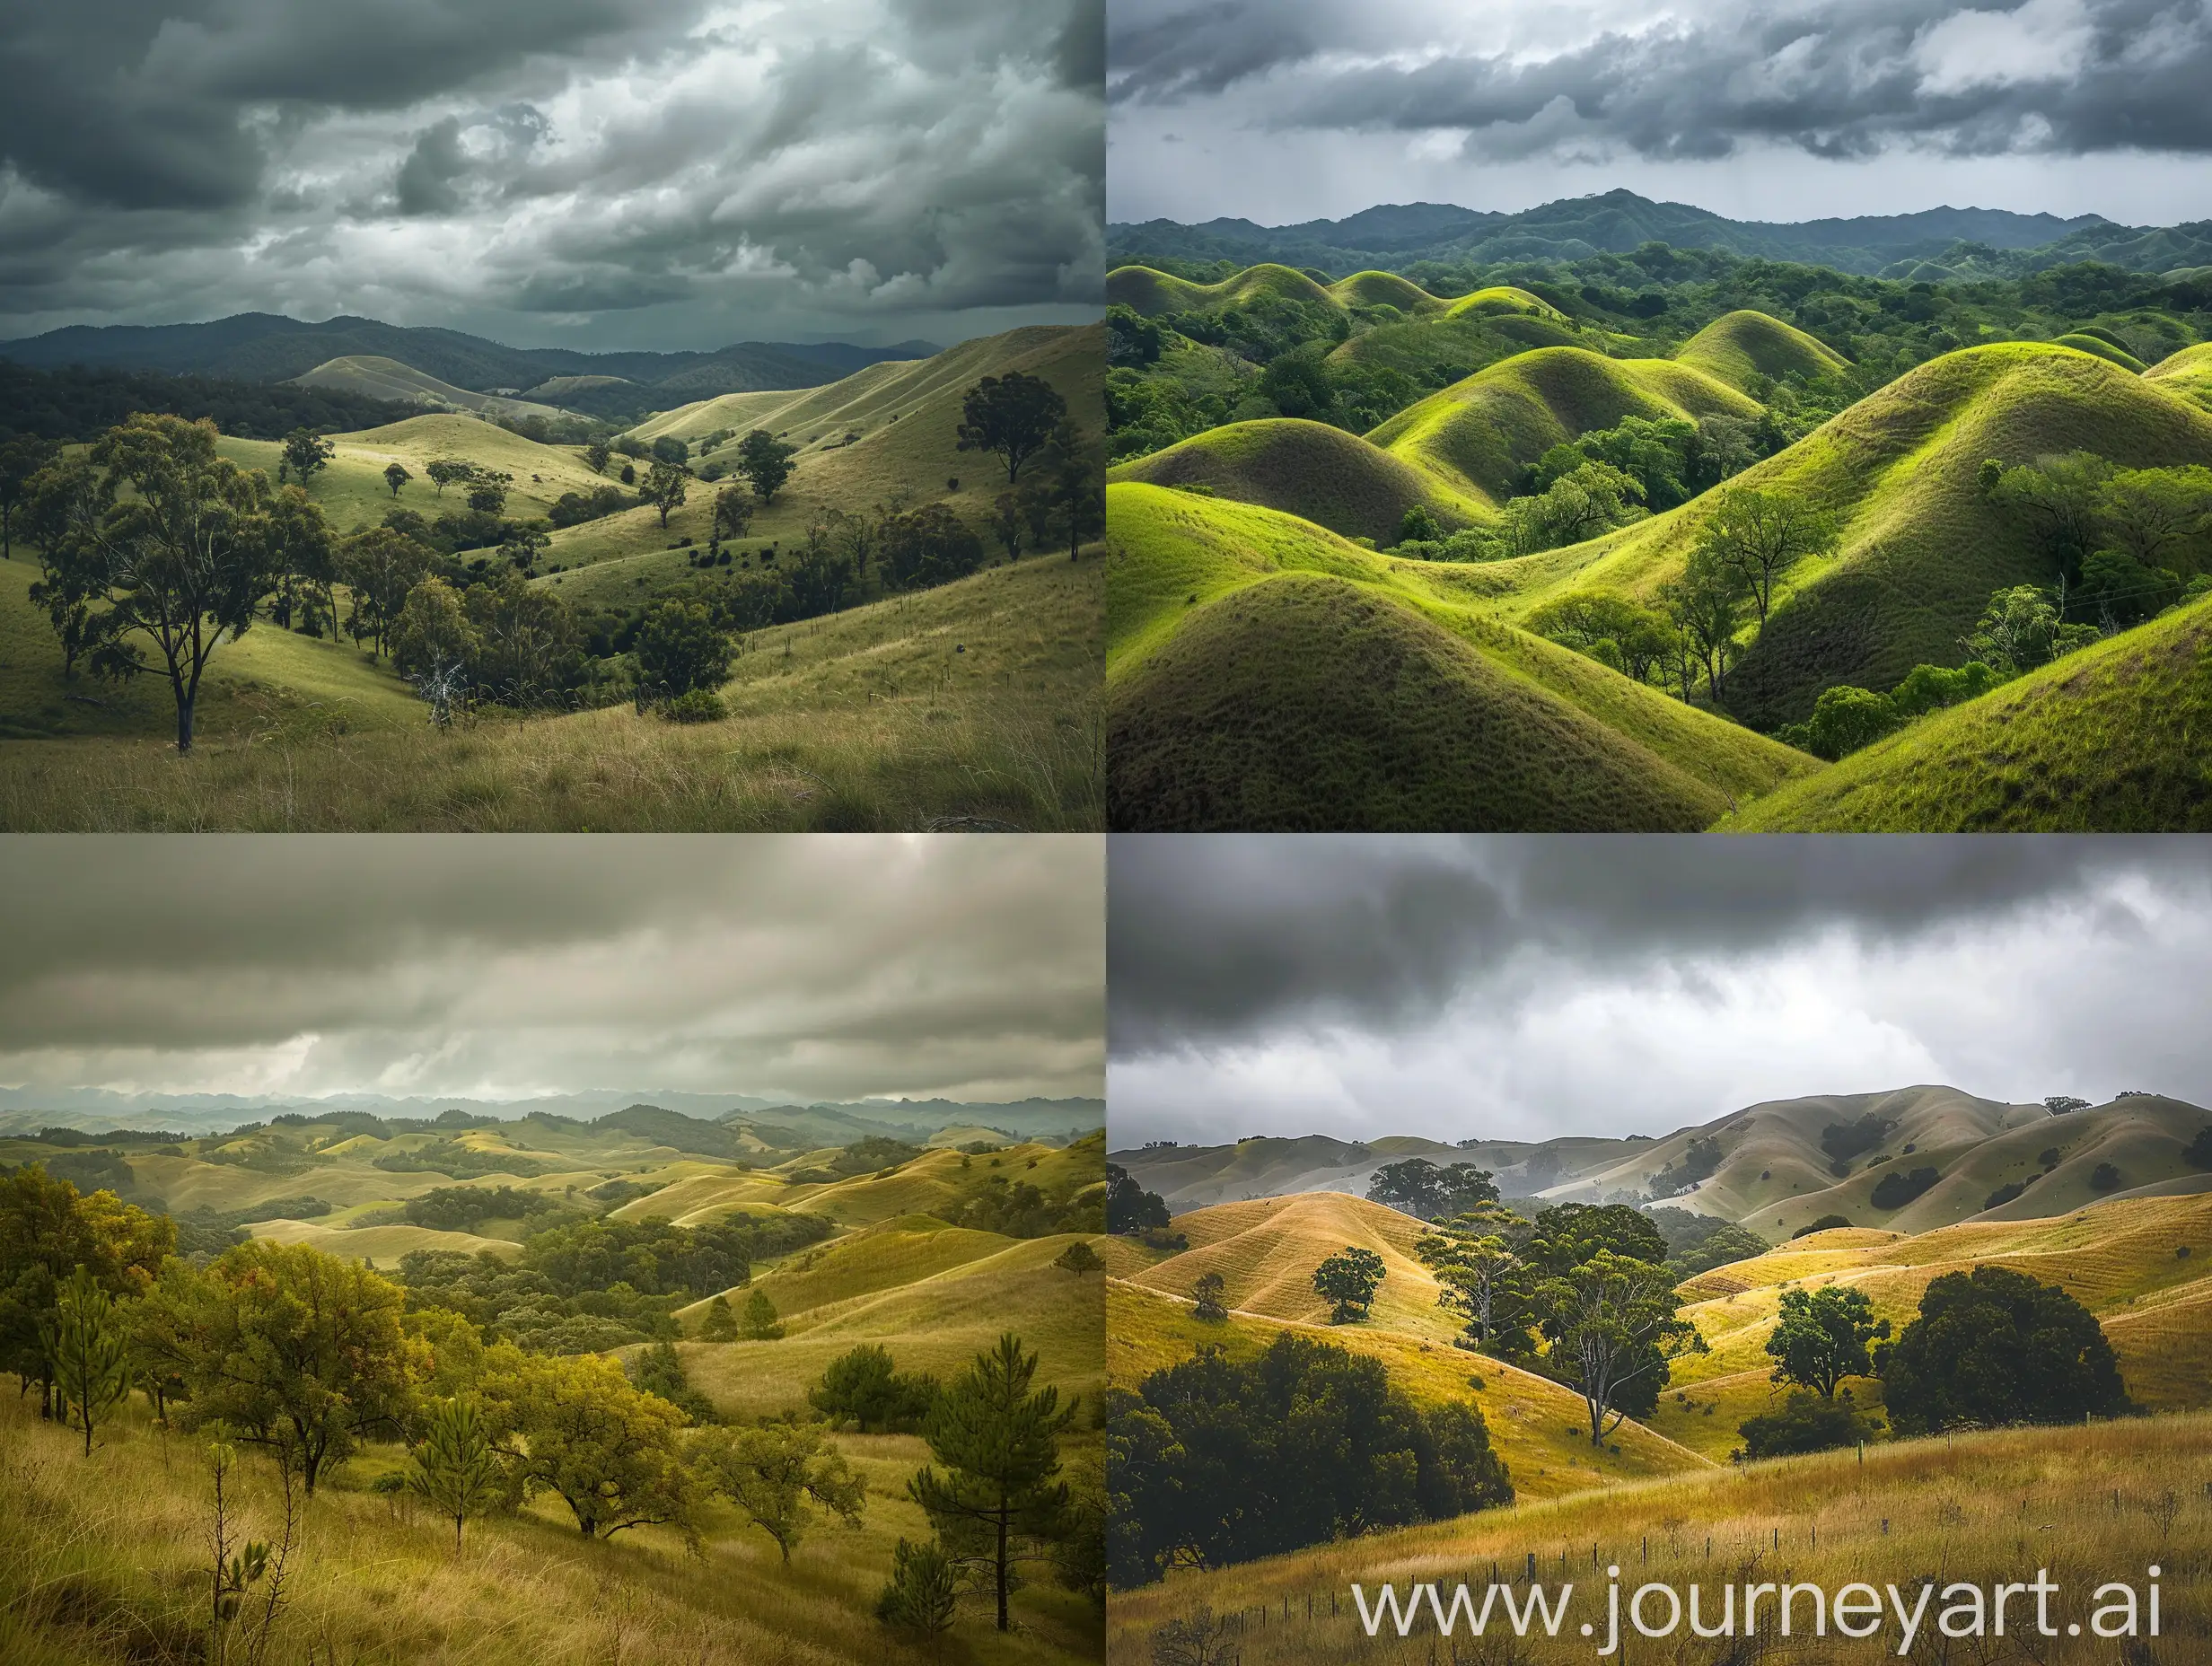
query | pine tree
(719,1324)
(89,1351)
(920,1595)
(458,1471)
(1000,1445)
(759,1323)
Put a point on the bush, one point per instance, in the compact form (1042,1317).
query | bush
(1827,1222)
(1805,1424)
(1894,1190)
(696,706)
(2004,1194)
(2104,1178)
(1844,719)
(1994,1347)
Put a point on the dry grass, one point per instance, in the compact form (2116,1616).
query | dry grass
(100,1563)
(2081,1502)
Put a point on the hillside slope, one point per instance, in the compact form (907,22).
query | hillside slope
(1262,673)
(387,379)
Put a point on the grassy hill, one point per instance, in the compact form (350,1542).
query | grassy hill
(1263,672)
(2109,738)
(1474,438)
(380,378)
(1321,474)
(1744,346)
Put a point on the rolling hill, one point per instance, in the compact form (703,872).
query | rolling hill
(1264,672)
(387,379)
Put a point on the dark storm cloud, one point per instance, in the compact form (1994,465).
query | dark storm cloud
(1529,988)
(1836,78)
(832,969)
(1226,939)
(829,167)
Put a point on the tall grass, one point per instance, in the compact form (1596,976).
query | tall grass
(100,1561)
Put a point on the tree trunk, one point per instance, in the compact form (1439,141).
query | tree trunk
(1002,1570)
(184,720)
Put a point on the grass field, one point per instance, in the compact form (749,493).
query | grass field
(378,378)
(973,703)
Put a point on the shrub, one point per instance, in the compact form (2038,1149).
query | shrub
(1894,1190)
(1994,1347)
(2003,1195)
(1827,1222)
(1805,1423)
(2103,1178)
(696,706)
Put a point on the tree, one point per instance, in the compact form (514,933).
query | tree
(46,1231)
(608,1449)
(289,1348)
(2159,516)
(928,546)
(672,450)
(778,1475)
(487,492)
(679,648)
(921,1594)
(659,1371)
(1705,603)
(1615,1325)
(1994,1347)
(458,1471)
(1012,415)
(88,1350)
(760,1323)
(1821,1336)
(1474,1267)
(526,640)
(382,570)
(2058,498)
(666,487)
(1633,639)
(2065,1104)
(1844,720)
(864,1388)
(21,457)
(444,471)
(1075,485)
(432,641)
(1418,1186)
(1348,1280)
(732,515)
(306,453)
(1129,1207)
(999,1444)
(1078,1258)
(185,561)
(1208,1298)
(1007,523)
(1761,535)
(396,474)
(1805,1423)
(720,1325)
(765,461)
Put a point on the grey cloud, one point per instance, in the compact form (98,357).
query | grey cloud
(832,968)
(426,179)
(1230,939)
(1833,78)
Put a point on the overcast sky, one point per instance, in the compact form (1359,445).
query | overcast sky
(594,174)
(790,968)
(1522,988)
(1284,110)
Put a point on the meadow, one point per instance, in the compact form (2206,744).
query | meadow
(969,703)
(103,1557)
(1244,693)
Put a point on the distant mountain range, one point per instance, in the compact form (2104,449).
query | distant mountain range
(263,348)
(97,1110)
(1935,243)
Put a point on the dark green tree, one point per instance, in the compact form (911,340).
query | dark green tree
(89,1349)
(679,648)
(21,456)
(1994,1347)
(765,461)
(1012,415)
(306,454)
(396,474)
(1347,1281)
(922,1593)
(1129,1207)
(864,1388)
(1821,1336)
(720,1325)
(999,1442)
(458,1470)
(666,487)
(1208,1298)
(759,1323)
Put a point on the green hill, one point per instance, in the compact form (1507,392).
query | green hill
(389,379)
(1745,345)
(1147,292)
(1319,473)
(1921,548)
(1474,438)
(2186,374)
(1262,673)
(1384,289)
(2112,738)
(2085,342)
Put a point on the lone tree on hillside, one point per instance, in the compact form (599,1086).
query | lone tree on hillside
(759,1323)
(999,1444)
(306,453)
(88,1351)
(864,1387)
(444,471)
(185,561)
(732,515)
(1616,1327)
(678,649)
(1994,1347)
(666,487)
(1822,1336)
(779,1475)
(1207,1298)
(488,491)
(608,1449)
(458,1471)
(1760,535)
(720,1325)
(1129,1207)
(1014,416)
(396,474)
(765,461)
(1348,1280)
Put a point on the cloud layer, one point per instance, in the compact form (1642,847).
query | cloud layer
(678,174)
(1925,93)
(818,969)
(1517,987)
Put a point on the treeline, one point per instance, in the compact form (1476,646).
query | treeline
(79,404)
(302,1357)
